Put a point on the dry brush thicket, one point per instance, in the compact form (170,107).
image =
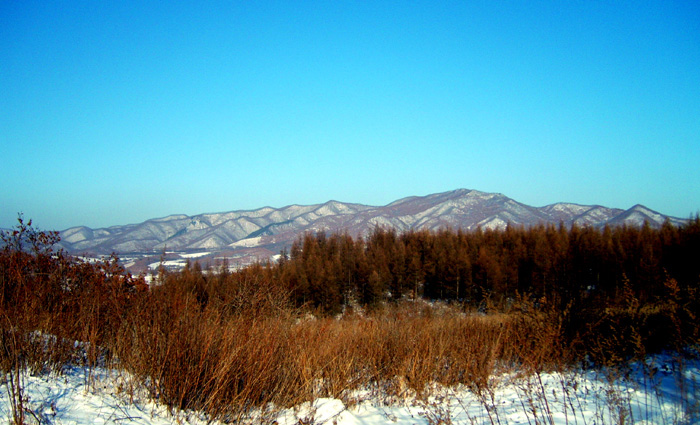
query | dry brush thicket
(390,313)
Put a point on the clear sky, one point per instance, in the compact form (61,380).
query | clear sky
(117,112)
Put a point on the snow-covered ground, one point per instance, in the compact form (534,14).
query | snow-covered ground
(194,254)
(83,397)
(672,396)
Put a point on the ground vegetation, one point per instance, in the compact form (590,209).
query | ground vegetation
(396,313)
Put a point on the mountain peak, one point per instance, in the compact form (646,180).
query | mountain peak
(276,228)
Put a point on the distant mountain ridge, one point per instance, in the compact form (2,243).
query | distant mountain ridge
(261,233)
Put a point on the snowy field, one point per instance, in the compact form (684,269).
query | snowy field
(658,392)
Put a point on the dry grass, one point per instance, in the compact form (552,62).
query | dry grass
(232,344)
(193,358)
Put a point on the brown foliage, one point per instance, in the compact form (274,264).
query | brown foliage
(340,314)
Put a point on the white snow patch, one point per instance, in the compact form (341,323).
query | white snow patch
(493,223)
(247,243)
(552,398)
(74,238)
(577,397)
(167,263)
(209,243)
(194,254)
(77,397)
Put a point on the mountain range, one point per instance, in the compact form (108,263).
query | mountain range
(245,236)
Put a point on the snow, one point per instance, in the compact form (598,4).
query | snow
(76,236)
(167,263)
(570,208)
(576,397)
(211,242)
(247,243)
(194,254)
(493,223)
(580,397)
(88,397)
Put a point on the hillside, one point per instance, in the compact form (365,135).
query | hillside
(244,236)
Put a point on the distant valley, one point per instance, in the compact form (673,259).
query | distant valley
(242,237)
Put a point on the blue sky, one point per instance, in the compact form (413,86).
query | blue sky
(117,112)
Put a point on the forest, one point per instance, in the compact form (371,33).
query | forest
(337,313)
(561,264)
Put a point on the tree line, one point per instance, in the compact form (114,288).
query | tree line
(220,340)
(562,264)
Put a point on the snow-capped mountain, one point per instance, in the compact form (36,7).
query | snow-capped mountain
(264,232)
